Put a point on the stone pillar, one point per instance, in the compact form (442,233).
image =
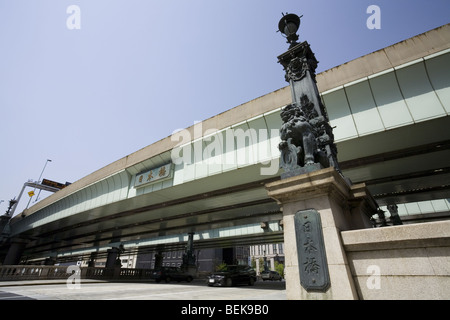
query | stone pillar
(328,193)
(15,252)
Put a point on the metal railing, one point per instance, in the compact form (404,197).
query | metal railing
(38,272)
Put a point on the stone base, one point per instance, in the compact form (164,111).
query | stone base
(340,207)
(301,170)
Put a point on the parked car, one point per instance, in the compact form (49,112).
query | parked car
(270,275)
(171,273)
(232,275)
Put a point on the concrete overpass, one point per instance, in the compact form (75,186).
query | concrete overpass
(390,113)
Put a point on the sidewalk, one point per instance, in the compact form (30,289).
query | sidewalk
(12,283)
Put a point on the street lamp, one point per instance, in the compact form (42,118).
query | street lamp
(288,25)
(307,141)
(48,160)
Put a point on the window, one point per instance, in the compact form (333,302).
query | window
(280,248)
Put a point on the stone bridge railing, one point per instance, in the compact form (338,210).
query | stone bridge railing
(42,272)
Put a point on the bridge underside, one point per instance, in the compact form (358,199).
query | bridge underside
(236,199)
(414,168)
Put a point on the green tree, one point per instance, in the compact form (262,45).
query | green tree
(261,265)
(279,267)
(253,262)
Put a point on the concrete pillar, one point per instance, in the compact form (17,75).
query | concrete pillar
(328,193)
(15,252)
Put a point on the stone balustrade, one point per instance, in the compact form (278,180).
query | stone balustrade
(42,272)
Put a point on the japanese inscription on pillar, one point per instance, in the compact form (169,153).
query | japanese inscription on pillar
(312,258)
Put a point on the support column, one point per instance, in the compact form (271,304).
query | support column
(327,193)
(113,255)
(113,263)
(15,252)
(189,259)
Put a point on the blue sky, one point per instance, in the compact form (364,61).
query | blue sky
(137,70)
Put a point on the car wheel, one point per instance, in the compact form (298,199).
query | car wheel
(168,279)
(251,282)
(189,279)
(229,282)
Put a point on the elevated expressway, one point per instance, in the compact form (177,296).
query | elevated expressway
(390,113)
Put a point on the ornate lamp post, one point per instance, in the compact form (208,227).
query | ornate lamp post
(307,141)
(309,160)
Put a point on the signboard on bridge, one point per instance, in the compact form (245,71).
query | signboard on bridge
(157,174)
(53,184)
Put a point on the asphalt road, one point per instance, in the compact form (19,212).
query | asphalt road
(196,290)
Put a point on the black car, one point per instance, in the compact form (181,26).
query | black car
(232,275)
(270,275)
(171,273)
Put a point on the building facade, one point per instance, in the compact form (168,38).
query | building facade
(266,256)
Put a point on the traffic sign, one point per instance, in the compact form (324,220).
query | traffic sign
(53,184)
